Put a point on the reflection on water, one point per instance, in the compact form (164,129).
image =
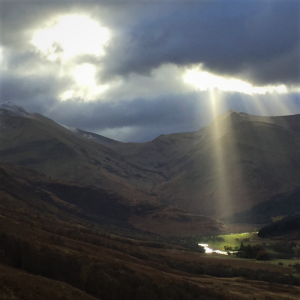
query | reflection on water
(209,250)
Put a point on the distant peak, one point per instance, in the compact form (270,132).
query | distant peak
(232,115)
(8,104)
(230,111)
(14,108)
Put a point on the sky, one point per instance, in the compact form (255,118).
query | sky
(133,70)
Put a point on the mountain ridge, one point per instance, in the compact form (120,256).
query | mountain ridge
(222,169)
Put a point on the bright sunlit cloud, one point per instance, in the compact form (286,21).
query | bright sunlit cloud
(67,95)
(206,81)
(86,94)
(67,37)
(71,35)
(85,74)
(86,87)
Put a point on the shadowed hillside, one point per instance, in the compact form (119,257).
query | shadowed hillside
(235,166)
(222,169)
(275,208)
(55,244)
(107,221)
(24,190)
(37,142)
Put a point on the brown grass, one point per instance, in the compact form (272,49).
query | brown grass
(17,285)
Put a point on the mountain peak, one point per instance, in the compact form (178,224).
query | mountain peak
(232,114)
(229,112)
(14,108)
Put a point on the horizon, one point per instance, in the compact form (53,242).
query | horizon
(233,110)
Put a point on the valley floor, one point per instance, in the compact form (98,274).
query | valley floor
(109,266)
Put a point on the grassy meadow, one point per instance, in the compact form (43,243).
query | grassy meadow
(233,240)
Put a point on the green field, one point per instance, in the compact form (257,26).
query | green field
(233,240)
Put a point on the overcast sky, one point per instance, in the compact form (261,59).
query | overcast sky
(132,71)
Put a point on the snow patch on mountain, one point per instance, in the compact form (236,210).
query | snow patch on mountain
(15,109)
(70,128)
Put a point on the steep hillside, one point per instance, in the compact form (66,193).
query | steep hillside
(227,167)
(239,163)
(24,191)
(16,284)
(50,248)
(286,226)
(78,231)
(277,207)
(159,154)
(37,142)
(224,168)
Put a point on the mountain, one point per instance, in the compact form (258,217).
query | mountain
(74,218)
(279,206)
(227,167)
(23,190)
(37,142)
(50,250)
(289,225)
(236,162)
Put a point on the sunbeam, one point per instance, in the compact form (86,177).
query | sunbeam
(222,191)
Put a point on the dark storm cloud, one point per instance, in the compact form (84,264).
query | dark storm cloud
(139,112)
(138,120)
(142,120)
(256,40)
(32,92)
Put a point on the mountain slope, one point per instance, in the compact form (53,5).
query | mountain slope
(37,142)
(227,167)
(50,251)
(280,205)
(239,163)
(16,284)
(24,191)
(236,162)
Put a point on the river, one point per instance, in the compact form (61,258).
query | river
(209,250)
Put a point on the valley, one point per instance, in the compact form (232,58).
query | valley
(93,218)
